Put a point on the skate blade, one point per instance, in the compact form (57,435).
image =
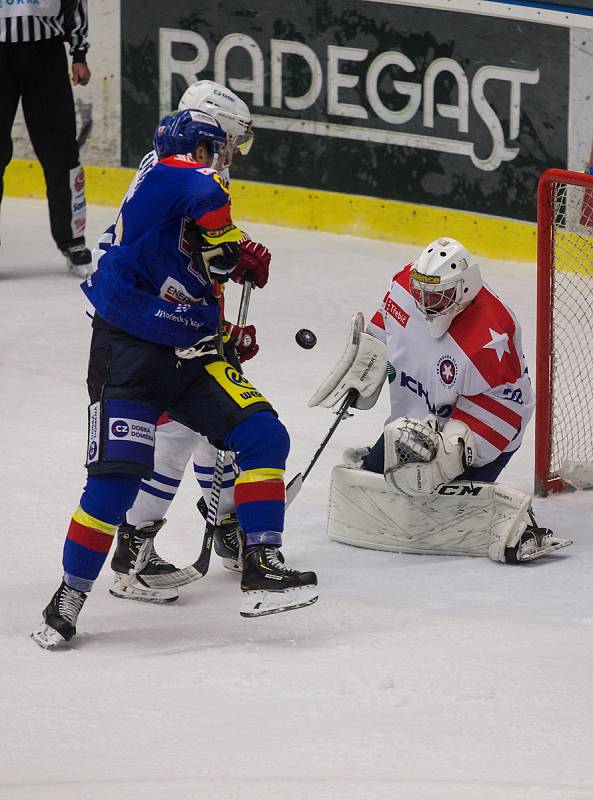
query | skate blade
(46,637)
(546,550)
(261,603)
(127,588)
(232,565)
(80,271)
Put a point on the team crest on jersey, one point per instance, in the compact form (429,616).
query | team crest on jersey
(447,370)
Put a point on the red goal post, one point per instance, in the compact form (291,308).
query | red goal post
(564,361)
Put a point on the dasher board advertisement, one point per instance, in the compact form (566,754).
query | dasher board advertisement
(433,107)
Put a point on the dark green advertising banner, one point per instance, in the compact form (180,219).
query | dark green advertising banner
(369,98)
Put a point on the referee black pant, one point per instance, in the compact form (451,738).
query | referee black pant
(37,74)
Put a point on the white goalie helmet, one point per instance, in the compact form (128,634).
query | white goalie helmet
(231,113)
(443,282)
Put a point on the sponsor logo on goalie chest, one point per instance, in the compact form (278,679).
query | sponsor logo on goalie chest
(415,386)
(395,311)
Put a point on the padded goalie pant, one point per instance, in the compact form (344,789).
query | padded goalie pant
(131,382)
(489,473)
(37,74)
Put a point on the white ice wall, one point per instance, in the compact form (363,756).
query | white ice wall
(100,100)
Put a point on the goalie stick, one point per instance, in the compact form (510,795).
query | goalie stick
(330,392)
(193,572)
(295,485)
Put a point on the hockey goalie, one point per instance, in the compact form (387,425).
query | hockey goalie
(460,401)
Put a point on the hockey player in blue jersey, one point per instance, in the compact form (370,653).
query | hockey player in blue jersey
(156,347)
(135,561)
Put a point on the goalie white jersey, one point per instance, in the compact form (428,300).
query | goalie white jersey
(476,372)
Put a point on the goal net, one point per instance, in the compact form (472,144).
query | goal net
(564,375)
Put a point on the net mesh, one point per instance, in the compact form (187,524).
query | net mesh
(572,327)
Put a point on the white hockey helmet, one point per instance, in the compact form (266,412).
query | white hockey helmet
(443,282)
(231,113)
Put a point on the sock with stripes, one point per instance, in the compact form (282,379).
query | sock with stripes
(204,473)
(155,496)
(261,445)
(103,506)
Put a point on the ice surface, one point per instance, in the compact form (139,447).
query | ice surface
(413,677)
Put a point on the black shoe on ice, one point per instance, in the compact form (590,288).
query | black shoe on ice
(270,587)
(60,615)
(134,559)
(79,260)
(227,545)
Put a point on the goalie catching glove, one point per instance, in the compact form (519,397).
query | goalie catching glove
(362,368)
(419,458)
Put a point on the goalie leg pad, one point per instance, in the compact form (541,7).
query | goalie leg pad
(461,518)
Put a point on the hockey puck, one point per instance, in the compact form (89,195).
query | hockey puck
(305,338)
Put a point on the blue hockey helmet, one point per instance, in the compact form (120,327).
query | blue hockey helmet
(181,131)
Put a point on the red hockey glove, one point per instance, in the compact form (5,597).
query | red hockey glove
(254,264)
(243,340)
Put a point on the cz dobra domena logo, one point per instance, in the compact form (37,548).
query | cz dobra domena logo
(120,428)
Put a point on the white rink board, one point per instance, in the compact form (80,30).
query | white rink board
(413,677)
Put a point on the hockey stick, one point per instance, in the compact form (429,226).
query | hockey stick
(197,570)
(295,485)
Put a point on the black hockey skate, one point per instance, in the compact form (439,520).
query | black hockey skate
(535,542)
(79,260)
(270,587)
(226,538)
(136,557)
(60,615)
(227,543)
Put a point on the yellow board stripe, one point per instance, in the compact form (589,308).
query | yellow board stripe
(254,475)
(83,518)
(376,218)
(569,243)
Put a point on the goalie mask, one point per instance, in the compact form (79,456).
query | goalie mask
(443,282)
